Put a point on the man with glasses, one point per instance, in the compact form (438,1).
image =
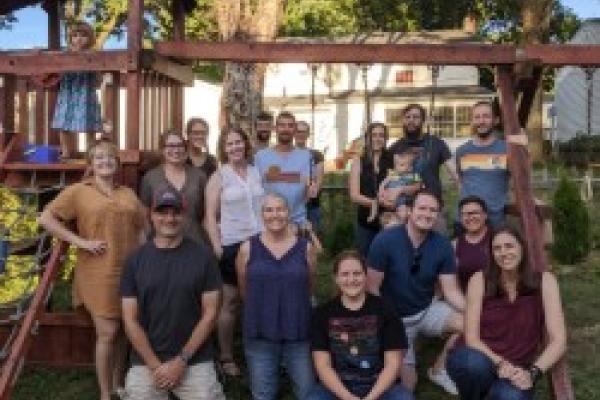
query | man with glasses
(405,264)
(170,293)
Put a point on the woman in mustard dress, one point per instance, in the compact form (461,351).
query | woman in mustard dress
(109,222)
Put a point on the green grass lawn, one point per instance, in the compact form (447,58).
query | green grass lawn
(579,287)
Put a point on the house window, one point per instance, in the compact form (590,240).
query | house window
(393,119)
(463,121)
(441,123)
(404,77)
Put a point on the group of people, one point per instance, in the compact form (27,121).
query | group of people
(208,238)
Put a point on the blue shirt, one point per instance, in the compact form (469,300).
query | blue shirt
(286,174)
(409,288)
(483,172)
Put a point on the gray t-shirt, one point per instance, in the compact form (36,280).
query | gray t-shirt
(168,285)
(192,191)
(483,172)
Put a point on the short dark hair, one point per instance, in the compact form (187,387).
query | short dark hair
(350,254)
(487,103)
(473,199)
(415,106)
(285,115)
(423,192)
(195,120)
(264,116)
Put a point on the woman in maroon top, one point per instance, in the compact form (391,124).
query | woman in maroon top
(510,310)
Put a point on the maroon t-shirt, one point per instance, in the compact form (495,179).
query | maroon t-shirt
(471,258)
(513,330)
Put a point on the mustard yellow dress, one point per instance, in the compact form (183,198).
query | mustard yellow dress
(117,219)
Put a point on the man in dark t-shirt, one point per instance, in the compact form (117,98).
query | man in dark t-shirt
(170,293)
(357,337)
(430,151)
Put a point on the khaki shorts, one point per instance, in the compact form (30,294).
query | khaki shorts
(199,383)
(429,322)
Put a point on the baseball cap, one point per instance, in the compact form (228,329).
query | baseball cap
(167,197)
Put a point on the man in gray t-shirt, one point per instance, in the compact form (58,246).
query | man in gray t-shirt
(170,293)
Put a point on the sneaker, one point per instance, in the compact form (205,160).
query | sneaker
(442,379)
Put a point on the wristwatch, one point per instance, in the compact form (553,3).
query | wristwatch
(535,373)
(185,357)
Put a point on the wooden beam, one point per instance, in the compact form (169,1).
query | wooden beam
(528,94)
(519,165)
(429,54)
(178,13)
(111,101)
(36,62)
(40,116)
(177,104)
(559,55)
(132,141)
(135,30)
(180,72)
(23,110)
(339,53)
(16,356)
(53,25)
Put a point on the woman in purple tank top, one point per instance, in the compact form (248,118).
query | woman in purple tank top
(510,309)
(274,279)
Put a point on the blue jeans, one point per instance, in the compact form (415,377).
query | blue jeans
(363,238)
(264,358)
(396,392)
(475,377)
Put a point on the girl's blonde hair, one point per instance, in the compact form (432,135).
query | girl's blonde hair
(105,145)
(82,27)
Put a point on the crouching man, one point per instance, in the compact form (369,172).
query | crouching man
(170,297)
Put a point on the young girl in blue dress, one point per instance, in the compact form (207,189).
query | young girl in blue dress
(77,106)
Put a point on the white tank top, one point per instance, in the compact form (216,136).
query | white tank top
(241,201)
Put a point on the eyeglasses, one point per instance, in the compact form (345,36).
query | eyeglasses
(199,132)
(416,265)
(174,145)
(471,213)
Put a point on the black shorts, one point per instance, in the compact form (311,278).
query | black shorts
(227,263)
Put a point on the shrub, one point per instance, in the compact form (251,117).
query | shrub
(571,224)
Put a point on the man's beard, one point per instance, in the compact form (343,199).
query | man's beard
(484,134)
(412,134)
(263,136)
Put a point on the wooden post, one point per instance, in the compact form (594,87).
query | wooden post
(111,104)
(154,110)
(53,44)
(177,105)
(40,116)
(178,13)
(7,103)
(134,46)
(519,164)
(23,118)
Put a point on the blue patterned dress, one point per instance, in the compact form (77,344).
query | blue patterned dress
(77,107)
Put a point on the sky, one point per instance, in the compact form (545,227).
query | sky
(31,30)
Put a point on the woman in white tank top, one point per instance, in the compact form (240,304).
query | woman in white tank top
(233,194)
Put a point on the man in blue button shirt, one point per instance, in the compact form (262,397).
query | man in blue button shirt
(406,262)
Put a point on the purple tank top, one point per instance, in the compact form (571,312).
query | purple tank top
(471,258)
(277,304)
(513,330)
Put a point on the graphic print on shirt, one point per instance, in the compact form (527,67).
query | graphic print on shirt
(275,174)
(355,349)
(485,162)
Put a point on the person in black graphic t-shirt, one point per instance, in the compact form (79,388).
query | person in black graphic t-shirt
(356,340)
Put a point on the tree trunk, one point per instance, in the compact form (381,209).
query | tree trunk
(536,25)
(243,83)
